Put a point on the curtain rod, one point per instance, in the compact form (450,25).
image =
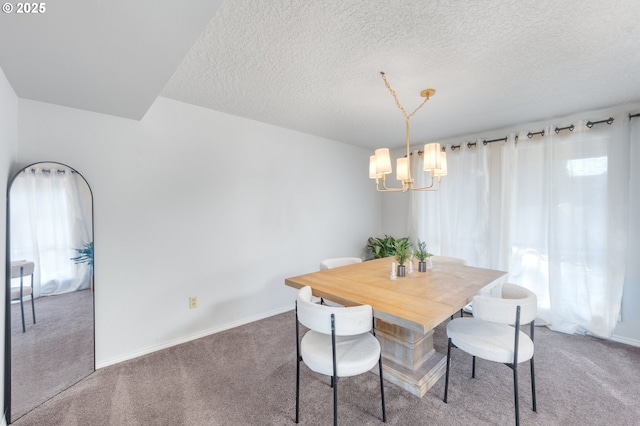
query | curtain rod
(47,170)
(559,129)
(570,127)
(608,121)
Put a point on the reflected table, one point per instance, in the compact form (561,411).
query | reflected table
(405,310)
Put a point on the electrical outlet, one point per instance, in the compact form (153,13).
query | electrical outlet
(193,302)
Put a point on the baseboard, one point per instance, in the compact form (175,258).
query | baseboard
(626,340)
(195,336)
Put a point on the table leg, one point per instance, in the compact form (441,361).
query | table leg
(409,359)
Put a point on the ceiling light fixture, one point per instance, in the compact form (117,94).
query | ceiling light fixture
(435,160)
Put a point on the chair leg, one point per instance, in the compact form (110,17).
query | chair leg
(298,359)
(384,411)
(473,368)
(24,329)
(533,386)
(446,380)
(335,401)
(298,391)
(33,309)
(33,306)
(515,393)
(533,376)
(334,380)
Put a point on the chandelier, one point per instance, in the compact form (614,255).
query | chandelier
(434,161)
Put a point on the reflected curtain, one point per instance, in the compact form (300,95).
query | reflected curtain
(50,217)
(552,210)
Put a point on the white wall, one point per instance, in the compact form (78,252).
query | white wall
(192,202)
(395,210)
(8,152)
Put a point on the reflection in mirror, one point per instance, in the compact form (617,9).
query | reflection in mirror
(49,324)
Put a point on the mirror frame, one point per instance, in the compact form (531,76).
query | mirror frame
(7,305)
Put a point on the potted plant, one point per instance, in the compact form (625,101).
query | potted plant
(422,254)
(85,255)
(382,246)
(402,247)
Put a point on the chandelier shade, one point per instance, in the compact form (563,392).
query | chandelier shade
(402,169)
(432,158)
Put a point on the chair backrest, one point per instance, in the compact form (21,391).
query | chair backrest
(447,259)
(26,265)
(503,309)
(337,262)
(349,321)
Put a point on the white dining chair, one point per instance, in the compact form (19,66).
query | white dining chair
(447,259)
(20,269)
(339,343)
(494,334)
(336,262)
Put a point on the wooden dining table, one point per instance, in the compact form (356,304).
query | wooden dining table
(406,310)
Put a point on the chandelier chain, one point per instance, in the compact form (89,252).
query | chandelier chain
(398,104)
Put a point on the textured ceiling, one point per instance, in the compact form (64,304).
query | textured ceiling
(314,66)
(112,57)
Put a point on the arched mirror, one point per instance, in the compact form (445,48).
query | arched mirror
(49,322)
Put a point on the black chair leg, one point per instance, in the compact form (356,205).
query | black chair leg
(33,306)
(446,380)
(515,393)
(335,401)
(298,391)
(533,386)
(384,411)
(473,368)
(24,329)
(298,359)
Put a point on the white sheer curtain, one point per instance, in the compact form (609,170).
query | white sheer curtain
(50,216)
(454,221)
(569,225)
(561,204)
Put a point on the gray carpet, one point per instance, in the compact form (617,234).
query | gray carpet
(52,354)
(246,376)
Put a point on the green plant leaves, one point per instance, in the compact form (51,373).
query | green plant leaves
(386,246)
(85,254)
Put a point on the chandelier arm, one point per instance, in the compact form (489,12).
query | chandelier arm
(430,187)
(384,188)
